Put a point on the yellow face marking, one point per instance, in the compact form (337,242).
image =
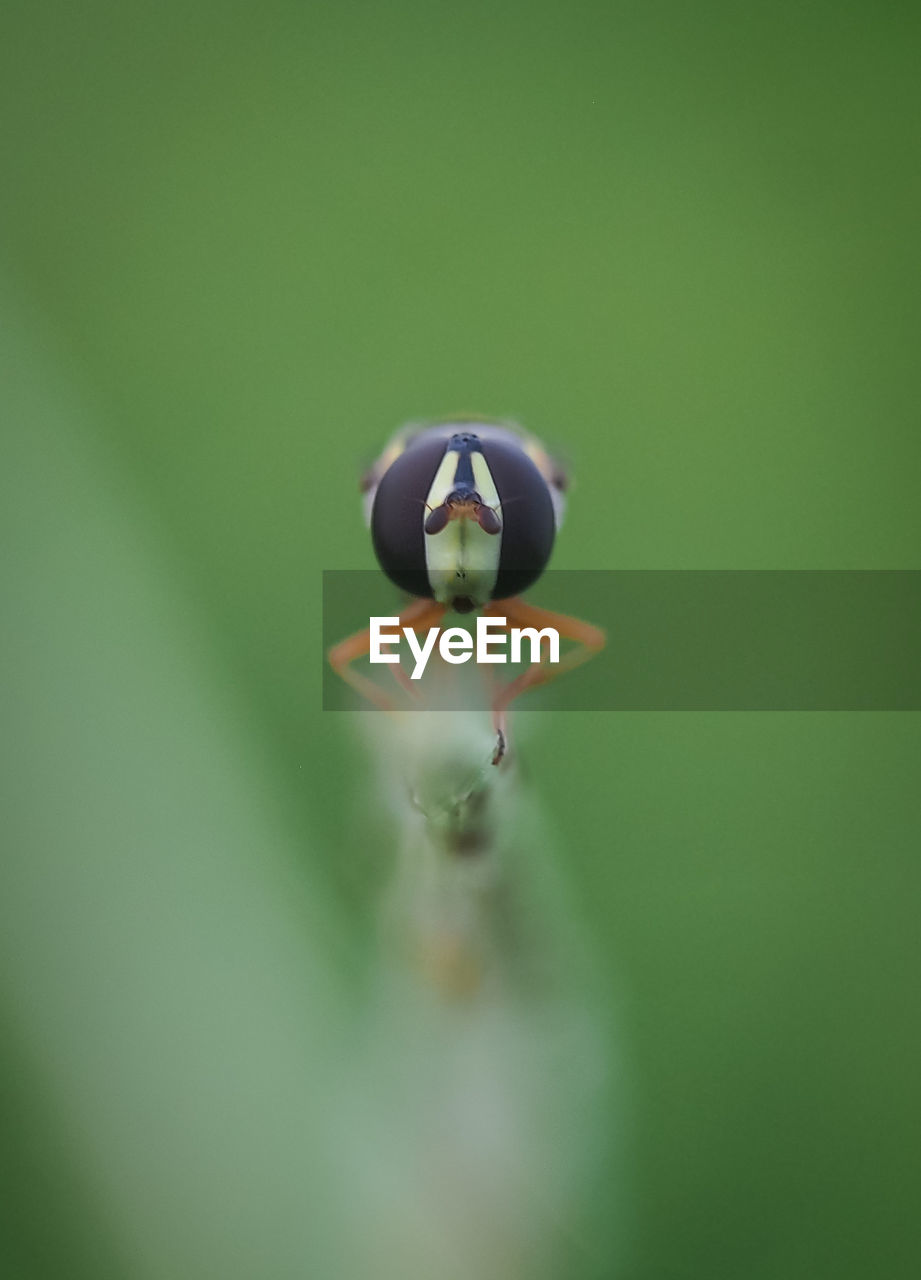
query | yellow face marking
(485,485)
(462,559)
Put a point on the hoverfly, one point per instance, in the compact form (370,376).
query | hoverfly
(463,515)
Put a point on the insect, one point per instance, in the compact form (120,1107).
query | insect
(463,516)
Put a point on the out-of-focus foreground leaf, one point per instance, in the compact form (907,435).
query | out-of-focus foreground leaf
(166,988)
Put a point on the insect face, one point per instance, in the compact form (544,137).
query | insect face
(464,512)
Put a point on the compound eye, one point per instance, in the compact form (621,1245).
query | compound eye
(398,515)
(528,520)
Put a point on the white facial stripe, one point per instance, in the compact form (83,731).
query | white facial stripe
(485,485)
(444,480)
(462,560)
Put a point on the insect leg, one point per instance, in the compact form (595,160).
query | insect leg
(419,614)
(589,640)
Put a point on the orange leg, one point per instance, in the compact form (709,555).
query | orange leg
(419,614)
(518,613)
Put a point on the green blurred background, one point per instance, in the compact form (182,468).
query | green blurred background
(240,245)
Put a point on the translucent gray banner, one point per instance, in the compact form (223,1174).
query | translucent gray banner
(678,640)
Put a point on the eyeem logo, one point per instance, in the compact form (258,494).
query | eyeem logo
(457,645)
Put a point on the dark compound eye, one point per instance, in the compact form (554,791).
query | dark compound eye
(399,513)
(528,522)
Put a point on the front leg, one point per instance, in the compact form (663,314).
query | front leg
(419,615)
(518,613)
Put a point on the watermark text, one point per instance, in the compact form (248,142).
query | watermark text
(495,641)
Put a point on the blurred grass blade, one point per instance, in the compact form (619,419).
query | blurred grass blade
(165,962)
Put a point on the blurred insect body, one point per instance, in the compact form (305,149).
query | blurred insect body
(490,1059)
